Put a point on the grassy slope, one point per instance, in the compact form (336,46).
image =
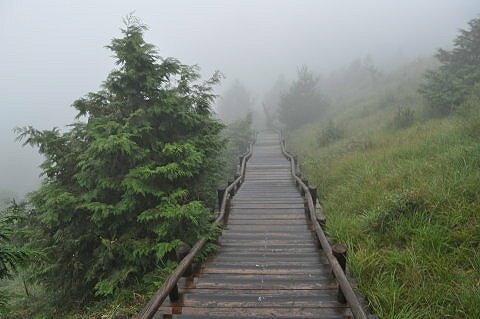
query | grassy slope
(405,201)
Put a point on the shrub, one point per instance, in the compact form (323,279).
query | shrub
(398,207)
(329,134)
(404,117)
(361,142)
(448,87)
(303,103)
(469,112)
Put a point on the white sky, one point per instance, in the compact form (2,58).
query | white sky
(52,52)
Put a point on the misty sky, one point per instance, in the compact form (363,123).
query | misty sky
(52,52)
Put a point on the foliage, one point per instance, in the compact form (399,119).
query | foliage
(239,135)
(329,134)
(411,218)
(12,255)
(469,112)
(447,87)
(271,102)
(124,188)
(405,203)
(404,117)
(302,103)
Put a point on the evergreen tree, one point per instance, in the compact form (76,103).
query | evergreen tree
(271,102)
(449,85)
(125,187)
(12,255)
(302,103)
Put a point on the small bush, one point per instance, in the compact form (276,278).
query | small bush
(362,142)
(469,112)
(404,117)
(329,134)
(399,206)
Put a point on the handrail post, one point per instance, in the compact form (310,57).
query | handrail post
(232,190)
(305,181)
(220,193)
(339,251)
(338,264)
(302,191)
(170,285)
(174,294)
(297,184)
(181,252)
(237,185)
(313,193)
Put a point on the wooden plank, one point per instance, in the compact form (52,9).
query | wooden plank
(269,201)
(275,206)
(279,258)
(258,298)
(271,228)
(255,312)
(267,210)
(262,241)
(266,237)
(248,249)
(271,246)
(264,219)
(269,264)
(263,281)
(270,268)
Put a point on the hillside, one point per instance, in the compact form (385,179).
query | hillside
(400,187)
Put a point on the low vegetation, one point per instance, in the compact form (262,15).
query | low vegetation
(400,186)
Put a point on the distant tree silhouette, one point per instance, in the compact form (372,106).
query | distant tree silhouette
(303,103)
(271,102)
(449,85)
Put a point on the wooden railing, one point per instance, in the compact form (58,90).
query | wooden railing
(336,256)
(170,287)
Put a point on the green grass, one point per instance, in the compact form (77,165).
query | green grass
(36,306)
(407,204)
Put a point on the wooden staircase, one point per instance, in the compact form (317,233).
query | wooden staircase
(269,264)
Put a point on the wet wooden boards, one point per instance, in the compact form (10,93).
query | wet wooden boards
(269,264)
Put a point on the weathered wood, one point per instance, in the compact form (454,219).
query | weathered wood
(174,295)
(170,287)
(313,193)
(339,251)
(232,190)
(261,298)
(268,281)
(220,195)
(181,252)
(258,313)
(340,276)
(269,250)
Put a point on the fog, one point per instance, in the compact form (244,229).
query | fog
(52,52)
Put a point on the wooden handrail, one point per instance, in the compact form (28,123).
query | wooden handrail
(171,282)
(347,290)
